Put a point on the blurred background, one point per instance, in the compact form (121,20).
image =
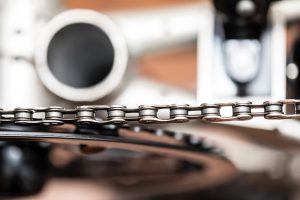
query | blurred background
(129,52)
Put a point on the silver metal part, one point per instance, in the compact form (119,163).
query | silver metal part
(151,114)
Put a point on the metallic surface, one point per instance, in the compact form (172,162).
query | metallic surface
(151,114)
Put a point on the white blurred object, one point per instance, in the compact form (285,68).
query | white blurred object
(24,21)
(245,7)
(160,28)
(20,22)
(242,59)
(292,71)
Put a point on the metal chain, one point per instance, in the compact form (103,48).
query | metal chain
(152,114)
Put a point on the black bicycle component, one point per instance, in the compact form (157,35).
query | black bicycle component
(243,23)
(24,168)
(197,164)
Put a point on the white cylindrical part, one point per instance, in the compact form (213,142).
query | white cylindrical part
(81,55)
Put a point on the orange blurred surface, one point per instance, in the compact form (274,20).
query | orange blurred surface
(123,4)
(175,67)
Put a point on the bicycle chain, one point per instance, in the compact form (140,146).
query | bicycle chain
(101,126)
(118,116)
(151,114)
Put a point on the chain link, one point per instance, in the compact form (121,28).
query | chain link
(152,114)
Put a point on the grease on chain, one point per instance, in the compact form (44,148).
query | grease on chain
(151,114)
